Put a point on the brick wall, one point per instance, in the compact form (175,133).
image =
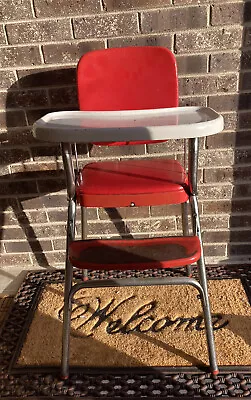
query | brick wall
(40,43)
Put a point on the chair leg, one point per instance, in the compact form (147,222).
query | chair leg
(203,282)
(67,291)
(185,228)
(207,318)
(84,236)
(66,322)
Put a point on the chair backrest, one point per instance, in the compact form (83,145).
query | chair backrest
(128,78)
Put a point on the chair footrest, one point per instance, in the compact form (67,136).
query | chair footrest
(127,254)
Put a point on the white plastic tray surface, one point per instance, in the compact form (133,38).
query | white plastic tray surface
(107,126)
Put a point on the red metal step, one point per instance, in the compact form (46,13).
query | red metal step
(124,254)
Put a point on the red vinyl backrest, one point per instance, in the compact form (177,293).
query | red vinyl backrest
(128,78)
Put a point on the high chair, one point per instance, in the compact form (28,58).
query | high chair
(130,96)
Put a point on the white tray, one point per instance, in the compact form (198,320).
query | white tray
(109,126)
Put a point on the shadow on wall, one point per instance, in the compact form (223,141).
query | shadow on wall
(35,168)
(240,220)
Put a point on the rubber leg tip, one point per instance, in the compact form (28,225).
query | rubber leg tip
(85,279)
(64,377)
(215,372)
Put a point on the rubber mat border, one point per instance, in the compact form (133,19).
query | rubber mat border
(132,383)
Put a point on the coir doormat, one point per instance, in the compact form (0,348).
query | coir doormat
(141,326)
(20,377)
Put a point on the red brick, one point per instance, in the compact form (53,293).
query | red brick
(245,83)
(167,147)
(9,233)
(28,246)
(38,169)
(59,244)
(47,259)
(26,98)
(24,218)
(59,214)
(227,14)
(242,190)
(44,8)
(50,201)
(246,36)
(217,207)
(21,136)
(193,101)
(221,141)
(166,224)
(9,260)
(138,226)
(230,120)
(105,228)
(225,207)
(19,56)
(191,64)
(227,174)
(8,156)
(46,77)
(219,192)
(45,152)
(66,96)
(215,250)
(240,236)
(46,231)
(244,120)
(7,78)
(31,203)
(214,222)
(214,158)
(123,213)
(51,185)
(239,250)
(240,221)
(208,84)
(39,31)
(12,10)
(69,52)
(17,188)
(2,35)
(174,18)
(106,25)
(245,60)
(207,40)
(117,151)
(119,5)
(162,211)
(223,62)
(242,156)
(143,40)
(228,102)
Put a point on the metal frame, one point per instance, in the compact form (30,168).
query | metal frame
(200,285)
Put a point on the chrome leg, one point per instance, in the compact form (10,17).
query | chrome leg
(185,228)
(84,236)
(67,289)
(203,282)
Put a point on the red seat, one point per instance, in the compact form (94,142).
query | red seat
(132,182)
(140,254)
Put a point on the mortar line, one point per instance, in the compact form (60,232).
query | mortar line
(33,9)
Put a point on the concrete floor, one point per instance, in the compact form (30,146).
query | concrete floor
(11,278)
